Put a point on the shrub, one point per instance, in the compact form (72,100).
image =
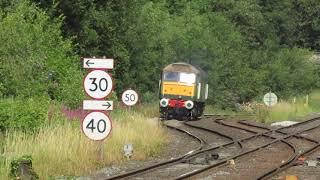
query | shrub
(21,168)
(35,59)
(27,115)
(149,97)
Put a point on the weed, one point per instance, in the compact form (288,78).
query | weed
(62,149)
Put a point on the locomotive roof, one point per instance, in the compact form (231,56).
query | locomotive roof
(181,67)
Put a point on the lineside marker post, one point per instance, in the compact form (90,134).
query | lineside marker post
(295,106)
(307,100)
(129,98)
(270,99)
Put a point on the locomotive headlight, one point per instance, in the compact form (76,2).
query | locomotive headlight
(188,104)
(164,102)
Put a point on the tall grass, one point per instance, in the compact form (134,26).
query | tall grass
(283,110)
(290,109)
(314,101)
(62,149)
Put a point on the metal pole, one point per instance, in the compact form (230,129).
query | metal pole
(101,151)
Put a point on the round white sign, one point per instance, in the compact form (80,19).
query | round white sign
(129,97)
(96,126)
(98,84)
(270,99)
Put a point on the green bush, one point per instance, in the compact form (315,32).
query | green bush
(149,97)
(27,114)
(35,59)
(21,168)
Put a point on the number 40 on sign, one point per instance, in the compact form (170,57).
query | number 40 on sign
(96,126)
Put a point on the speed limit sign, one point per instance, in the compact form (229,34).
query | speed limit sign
(129,97)
(96,126)
(98,84)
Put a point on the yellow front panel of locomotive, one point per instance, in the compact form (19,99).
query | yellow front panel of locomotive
(179,89)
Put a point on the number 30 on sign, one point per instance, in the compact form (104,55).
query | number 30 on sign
(98,84)
(96,126)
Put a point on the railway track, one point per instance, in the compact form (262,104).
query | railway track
(208,138)
(229,142)
(274,170)
(304,152)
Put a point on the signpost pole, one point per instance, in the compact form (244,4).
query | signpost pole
(101,151)
(98,85)
(269,107)
(270,99)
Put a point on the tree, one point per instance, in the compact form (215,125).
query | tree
(35,56)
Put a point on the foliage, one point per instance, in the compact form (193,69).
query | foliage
(28,115)
(35,60)
(149,97)
(292,108)
(314,101)
(68,149)
(296,23)
(16,164)
(248,47)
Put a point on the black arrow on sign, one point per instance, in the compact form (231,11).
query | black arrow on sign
(88,63)
(108,105)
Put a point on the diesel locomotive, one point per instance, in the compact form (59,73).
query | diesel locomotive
(183,91)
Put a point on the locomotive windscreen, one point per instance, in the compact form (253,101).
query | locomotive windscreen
(189,78)
(171,76)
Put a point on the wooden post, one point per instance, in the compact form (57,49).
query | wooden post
(295,107)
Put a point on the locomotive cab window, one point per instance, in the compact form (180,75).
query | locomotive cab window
(171,76)
(188,78)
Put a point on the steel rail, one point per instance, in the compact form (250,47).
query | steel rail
(291,158)
(193,152)
(177,159)
(287,164)
(180,158)
(232,142)
(292,163)
(193,173)
(215,132)
(244,122)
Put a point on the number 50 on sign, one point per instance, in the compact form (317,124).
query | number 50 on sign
(129,97)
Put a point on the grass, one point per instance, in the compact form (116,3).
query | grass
(210,109)
(283,110)
(314,101)
(62,149)
(290,110)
